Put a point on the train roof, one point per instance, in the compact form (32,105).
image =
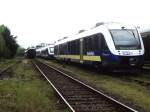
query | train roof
(45,47)
(95,30)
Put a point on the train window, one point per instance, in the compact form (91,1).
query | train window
(69,47)
(78,46)
(46,52)
(73,47)
(56,50)
(65,48)
(104,44)
(126,39)
(61,49)
(92,43)
(96,42)
(51,49)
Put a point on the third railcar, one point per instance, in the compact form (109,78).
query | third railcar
(109,45)
(30,53)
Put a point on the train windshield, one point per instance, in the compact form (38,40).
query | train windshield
(126,39)
(51,49)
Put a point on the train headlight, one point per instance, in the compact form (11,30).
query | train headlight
(133,61)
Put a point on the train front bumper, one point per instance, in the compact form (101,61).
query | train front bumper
(123,61)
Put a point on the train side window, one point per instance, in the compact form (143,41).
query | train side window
(46,52)
(89,43)
(74,47)
(56,50)
(63,48)
(96,42)
(69,47)
(103,44)
(78,46)
(84,46)
(51,49)
(60,49)
(99,41)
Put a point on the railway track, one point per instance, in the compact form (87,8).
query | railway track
(6,70)
(78,96)
(146,69)
(129,77)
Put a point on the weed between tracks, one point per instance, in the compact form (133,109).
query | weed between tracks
(27,92)
(127,92)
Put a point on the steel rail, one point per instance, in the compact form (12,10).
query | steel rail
(54,88)
(87,86)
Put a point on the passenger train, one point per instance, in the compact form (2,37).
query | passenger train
(46,52)
(111,45)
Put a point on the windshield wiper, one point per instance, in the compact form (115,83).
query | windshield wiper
(131,33)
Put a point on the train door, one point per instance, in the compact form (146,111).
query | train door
(81,50)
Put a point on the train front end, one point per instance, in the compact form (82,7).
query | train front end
(126,48)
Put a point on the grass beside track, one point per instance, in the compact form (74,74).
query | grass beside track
(26,91)
(5,62)
(127,92)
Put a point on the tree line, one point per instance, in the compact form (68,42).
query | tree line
(8,44)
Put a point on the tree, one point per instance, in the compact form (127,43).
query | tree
(9,45)
(2,46)
(20,51)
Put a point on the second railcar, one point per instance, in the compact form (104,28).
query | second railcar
(46,52)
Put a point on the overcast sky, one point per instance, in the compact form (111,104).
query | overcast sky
(40,21)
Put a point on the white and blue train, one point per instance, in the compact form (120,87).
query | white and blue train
(46,52)
(113,45)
